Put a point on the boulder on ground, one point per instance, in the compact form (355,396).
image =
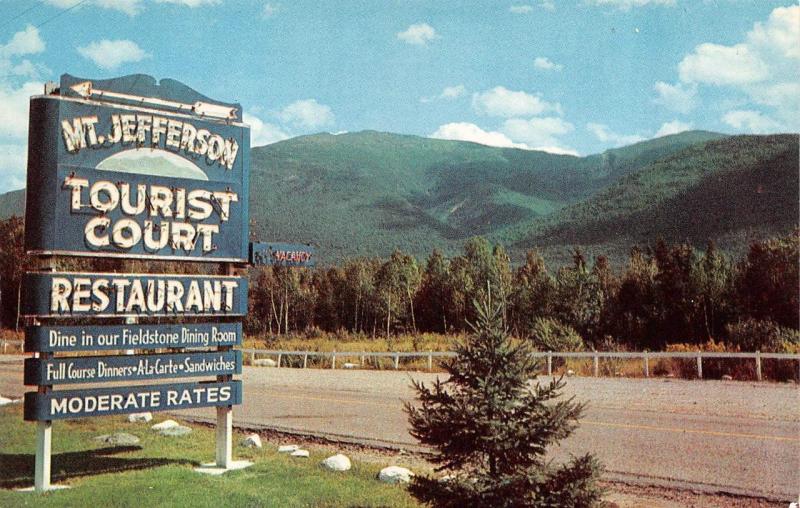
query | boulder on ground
(395,474)
(265,362)
(178,431)
(726,377)
(252,441)
(300,453)
(4,401)
(118,439)
(166,424)
(349,365)
(337,462)
(140,417)
(288,448)
(570,373)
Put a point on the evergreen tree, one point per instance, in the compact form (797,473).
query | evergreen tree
(490,429)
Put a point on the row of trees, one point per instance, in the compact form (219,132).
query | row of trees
(665,294)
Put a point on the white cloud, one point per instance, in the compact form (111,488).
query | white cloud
(752,122)
(14,100)
(109,55)
(521,9)
(606,135)
(764,68)
(678,97)
(544,63)
(190,3)
(448,94)
(13,164)
(463,131)
(673,127)
(270,10)
(129,7)
(263,133)
(14,109)
(418,34)
(307,114)
(500,101)
(722,65)
(539,133)
(627,4)
(25,42)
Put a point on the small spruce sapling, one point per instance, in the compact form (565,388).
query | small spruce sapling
(490,429)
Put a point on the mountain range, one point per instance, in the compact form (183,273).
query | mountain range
(367,193)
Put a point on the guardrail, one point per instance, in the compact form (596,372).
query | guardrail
(645,356)
(396,356)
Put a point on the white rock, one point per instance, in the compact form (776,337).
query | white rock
(726,377)
(288,448)
(178,431)
(395,474)
(349,365)
(337,462)
(570,373)
(119,439)
(265,362)
(300,453)
(4,401)
(252,441)
(140,417)
(166,424)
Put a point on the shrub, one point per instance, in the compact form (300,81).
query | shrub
(758,335)
(548,334)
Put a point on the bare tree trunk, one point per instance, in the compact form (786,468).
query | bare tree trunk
(388,315)
(286,299)
(411,304)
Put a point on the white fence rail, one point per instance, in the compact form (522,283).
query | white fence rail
(645,356)
(596,356)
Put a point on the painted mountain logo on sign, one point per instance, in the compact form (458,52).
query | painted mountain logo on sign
(152,161)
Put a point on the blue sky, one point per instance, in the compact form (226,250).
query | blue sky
(564,76)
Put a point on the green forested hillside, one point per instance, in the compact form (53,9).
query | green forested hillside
(368,193)
(12,203)
(732,190)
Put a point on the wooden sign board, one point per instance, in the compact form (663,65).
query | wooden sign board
(106,369)
(61,404)
(282,254)
(54,338)
(67,294)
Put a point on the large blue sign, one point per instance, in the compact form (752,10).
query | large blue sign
(62,294)
(60,404)
(104,369)
(54,338)
(131,168)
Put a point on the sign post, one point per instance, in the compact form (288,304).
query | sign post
(132,168)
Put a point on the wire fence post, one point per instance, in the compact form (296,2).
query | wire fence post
(646,365)
(279,359)
(305,360)
(333,360)
(549,363)
(430,361)
(596,366)
(396,361)
(699,367)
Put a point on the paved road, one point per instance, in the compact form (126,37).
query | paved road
(731,436)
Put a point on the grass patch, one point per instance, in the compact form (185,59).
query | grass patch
(158,471)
